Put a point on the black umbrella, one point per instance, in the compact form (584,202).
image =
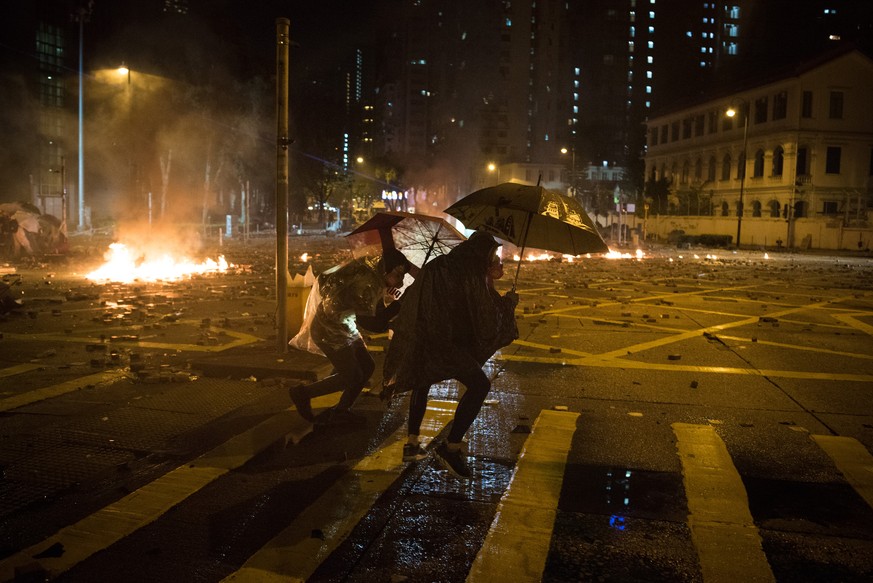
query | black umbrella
(530,216)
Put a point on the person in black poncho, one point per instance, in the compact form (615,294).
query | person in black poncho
(451,322)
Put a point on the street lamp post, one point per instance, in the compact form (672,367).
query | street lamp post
(81,16)
(731,112)
(572,152)
(494,167)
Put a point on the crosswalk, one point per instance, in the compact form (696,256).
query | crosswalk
(520,538)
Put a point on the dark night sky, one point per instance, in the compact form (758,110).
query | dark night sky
(238,35)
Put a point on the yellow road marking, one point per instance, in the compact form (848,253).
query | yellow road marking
(596,361)
(717,328)
(815,349)
(722,528)
(537,345)
(29,397)
(140,508)
(855,323)
(853,460)
(294,554)
(18,369)
(242,339)
(517,544)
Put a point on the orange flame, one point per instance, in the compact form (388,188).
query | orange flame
(121,266)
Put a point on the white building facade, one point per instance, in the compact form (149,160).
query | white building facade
(793,168)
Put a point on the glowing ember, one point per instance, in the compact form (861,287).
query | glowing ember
(121,266)
(619,255)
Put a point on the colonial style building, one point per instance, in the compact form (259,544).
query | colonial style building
(793,167)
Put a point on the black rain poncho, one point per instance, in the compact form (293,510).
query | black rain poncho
(450,321)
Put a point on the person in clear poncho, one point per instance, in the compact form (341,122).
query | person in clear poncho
(355,289)
(450,323)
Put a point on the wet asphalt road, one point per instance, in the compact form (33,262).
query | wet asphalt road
(675,418)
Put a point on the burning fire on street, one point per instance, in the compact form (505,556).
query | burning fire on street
(570,258)
(126,266)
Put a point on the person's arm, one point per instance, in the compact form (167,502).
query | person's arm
(380,320)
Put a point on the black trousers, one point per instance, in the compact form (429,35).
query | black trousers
(477,385)
(352,368)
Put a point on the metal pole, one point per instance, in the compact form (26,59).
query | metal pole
(64,196)
(81,225)
(742,177)
(282,44)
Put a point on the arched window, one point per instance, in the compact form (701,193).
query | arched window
(725,210)
(726,167)
(698,170)
(774,209)
(778,160)
(759,164)
(741,166)
(710,172)
(756,208)
(686,169)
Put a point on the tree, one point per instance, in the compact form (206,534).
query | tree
(659,191)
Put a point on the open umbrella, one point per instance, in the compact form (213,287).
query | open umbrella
(419,237)
(530,216)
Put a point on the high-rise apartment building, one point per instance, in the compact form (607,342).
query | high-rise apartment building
(516,82)
(38,157)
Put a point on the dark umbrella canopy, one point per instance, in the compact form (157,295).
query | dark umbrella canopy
(530,216)
(419,237)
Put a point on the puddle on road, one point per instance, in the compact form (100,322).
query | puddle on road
(620,493)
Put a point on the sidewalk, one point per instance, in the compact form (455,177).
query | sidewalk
(262,361)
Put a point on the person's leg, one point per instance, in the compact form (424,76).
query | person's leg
(449,453)
(417,407)
(478,385)
(356,371)
(412,450)
(343,361)
(302,394)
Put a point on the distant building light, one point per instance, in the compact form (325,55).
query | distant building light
(834,37)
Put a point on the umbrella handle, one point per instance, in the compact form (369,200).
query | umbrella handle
(521,254)
(432,245)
